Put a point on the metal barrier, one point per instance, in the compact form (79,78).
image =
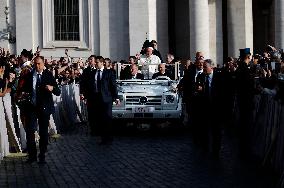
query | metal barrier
(267,132)
(14,141)
(4,144)
(69,110)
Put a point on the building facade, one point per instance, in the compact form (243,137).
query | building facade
(118,28)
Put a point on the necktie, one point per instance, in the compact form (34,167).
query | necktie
(207,86)
(99,81)
(38,80)
(38,88)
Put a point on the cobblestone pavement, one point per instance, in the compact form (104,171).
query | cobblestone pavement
(140,160)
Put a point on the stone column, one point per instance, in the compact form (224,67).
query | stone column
(119,31)
(279,24)
(104,28)
(37,28)
(142,20)
(216,31)
(152,20)
(240,26)
(199,27)
(96,27)
(24,32)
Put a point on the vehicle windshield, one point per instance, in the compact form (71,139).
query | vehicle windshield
(148,71)
(144,82)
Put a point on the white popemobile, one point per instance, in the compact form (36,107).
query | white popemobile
(155,99)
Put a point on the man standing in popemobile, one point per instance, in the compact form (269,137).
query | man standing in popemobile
(149,63)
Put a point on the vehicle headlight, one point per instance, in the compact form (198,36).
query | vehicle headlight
(170,98)
(120,97)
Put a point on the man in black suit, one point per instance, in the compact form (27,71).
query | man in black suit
(245,83)
(188,82)
(209,89)
(40,84)
(191,97)
(100,92)
(134,74)
(162,72)
(86,74)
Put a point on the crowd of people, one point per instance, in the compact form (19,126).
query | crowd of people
(213,94)
(209,91)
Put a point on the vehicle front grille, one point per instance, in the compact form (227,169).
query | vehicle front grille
(151,100)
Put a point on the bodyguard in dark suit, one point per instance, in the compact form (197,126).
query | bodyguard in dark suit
(192,98)
(245,93)
(188,82)
(100,92)
(40,84)
(209,89)
(87,73)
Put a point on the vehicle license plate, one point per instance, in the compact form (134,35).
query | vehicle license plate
(143,109)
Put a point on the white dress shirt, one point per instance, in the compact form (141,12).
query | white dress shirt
(197,72)
(210,79)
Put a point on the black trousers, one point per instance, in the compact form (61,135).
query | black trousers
(196,116)
(246,106)
(100,116)
(37,119)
